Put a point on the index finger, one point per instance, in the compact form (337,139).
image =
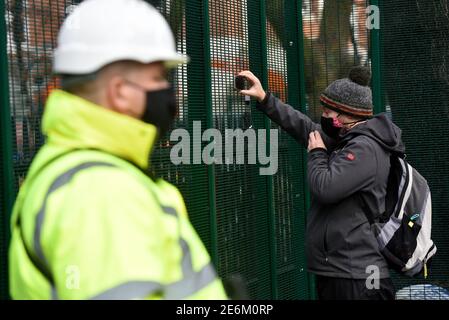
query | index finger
(312,136)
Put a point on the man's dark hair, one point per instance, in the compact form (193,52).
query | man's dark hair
(74,83)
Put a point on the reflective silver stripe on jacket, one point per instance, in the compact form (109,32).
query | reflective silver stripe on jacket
(190,283)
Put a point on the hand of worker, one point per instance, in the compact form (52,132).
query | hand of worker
(256,90)
(315,141)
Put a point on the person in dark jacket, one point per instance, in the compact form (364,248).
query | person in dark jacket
(348,167)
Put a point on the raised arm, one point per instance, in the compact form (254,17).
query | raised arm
(295,123)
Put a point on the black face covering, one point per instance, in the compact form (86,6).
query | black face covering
(160,108)
(334,128)
(329,128)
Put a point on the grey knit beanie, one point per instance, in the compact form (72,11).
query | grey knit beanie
(350,95)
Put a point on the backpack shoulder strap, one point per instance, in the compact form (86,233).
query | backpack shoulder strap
(394,191)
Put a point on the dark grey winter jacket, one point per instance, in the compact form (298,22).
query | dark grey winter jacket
(340,242)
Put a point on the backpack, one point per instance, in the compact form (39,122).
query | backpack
(403,231)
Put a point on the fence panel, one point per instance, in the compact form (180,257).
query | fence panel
(253,225)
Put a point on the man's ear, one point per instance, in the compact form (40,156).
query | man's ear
(116,95)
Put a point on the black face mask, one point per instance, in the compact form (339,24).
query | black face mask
(329,128)
(160,108)
(334,128)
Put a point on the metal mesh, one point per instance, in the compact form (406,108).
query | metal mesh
(31,28)
(253,225)
(335,39)
(288,184)
(416,94)
(242,211)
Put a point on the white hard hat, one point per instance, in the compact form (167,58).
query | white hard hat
(99,32)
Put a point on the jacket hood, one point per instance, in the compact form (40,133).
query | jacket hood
(381,129)
(70,122)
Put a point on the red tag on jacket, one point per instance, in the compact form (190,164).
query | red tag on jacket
(350,156)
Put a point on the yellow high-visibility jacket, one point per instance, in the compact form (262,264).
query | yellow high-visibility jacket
(89,224)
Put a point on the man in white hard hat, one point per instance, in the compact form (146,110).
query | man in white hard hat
(88,222)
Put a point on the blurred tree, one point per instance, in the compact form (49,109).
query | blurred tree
(328,48)
(327,57)
(330,55)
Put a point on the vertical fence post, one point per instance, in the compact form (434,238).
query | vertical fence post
(375,51)
(7,180)
(199,103)
(257,25)
(303,106)
(210,124)
(270,191)
(297,98)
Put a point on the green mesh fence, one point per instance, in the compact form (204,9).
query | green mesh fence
(252,225)
(415,51)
